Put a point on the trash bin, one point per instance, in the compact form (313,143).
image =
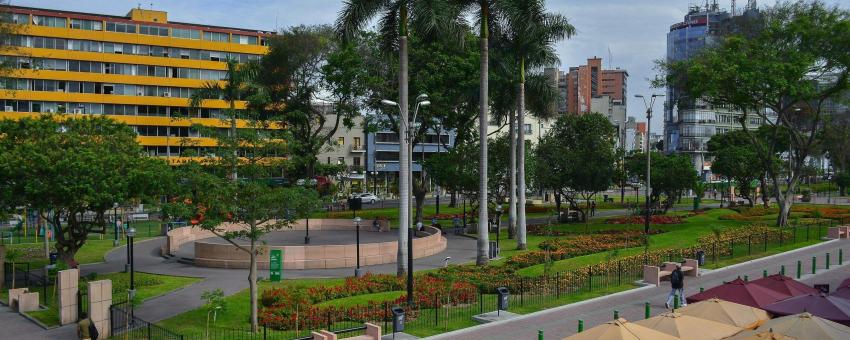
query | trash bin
(494,250)
(53,257)
(504,293)
(701,257)
(398,319)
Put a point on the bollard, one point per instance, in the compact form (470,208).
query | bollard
(799,269)
(540,334)
(701,289)
(580,326)
(782,270)
(646,310)
(814,264)
(840,256)
(746,278)
(764,273)
(616,314)
(827,261)
(675,302)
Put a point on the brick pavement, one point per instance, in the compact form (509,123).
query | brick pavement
(562,321)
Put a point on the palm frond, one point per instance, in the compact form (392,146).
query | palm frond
(355,14)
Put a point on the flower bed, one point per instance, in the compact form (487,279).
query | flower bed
(654,219)
(563,248)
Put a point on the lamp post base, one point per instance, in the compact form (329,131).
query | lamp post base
(358,272)
(126,267)
(115,243)
(131,293)
(307,240)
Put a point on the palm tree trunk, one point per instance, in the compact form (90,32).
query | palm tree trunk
(404,148)
(521,232)
(483,228)
(252,278)
(512,188)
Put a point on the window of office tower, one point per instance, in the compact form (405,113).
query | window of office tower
(41,20)
(215,36)
(90,25)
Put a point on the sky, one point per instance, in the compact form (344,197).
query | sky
(634,31)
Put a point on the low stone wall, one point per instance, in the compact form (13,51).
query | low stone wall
(176,238)
(319,256)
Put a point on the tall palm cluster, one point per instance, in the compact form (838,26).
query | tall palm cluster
(521,34)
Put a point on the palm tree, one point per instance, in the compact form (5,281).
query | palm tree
(235,87)
(530,33)
(429,19)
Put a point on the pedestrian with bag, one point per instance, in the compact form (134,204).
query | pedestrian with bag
(677,283)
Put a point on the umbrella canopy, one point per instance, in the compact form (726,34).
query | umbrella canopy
(828,307)
(766,335)
(785,285)
(741,292)
(689,327)
(620,329)
(844,285)
(726,312)
(805,326)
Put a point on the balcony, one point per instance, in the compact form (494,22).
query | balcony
(357,148)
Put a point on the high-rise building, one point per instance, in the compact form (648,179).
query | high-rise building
(689,123)
(585,82)
(139,69)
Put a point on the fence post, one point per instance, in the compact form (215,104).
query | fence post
(480,300)
(558,285)
(590,278)
(714,252)
(522,291)
(386,315)
(619,272)
(840,256)
(646,310)
(799,269)
(814,264)
(749,244)
(732,249)
(795,235)
(149,331)
(580,325)
(437,310)
(765,241)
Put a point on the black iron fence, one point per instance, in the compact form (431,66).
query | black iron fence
(24,276)
(126,325)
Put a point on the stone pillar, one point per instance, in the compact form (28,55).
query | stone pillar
(100,299)
(68,282)
(27,302)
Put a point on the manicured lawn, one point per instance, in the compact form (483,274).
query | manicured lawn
(365,299)
(147,286)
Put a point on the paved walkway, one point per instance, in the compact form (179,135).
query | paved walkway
(562,321)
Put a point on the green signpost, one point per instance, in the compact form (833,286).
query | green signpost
(275,265)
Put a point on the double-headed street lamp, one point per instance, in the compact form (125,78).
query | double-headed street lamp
(648,154)
(406,183)
(357,272)
(131,233)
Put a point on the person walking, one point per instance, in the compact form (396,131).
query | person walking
(592,208)
(677,282)
(86,330)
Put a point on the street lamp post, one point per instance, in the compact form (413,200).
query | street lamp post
(406,181)
(131,233)
(357,272)
(116,223)
(648,154)
(498,223)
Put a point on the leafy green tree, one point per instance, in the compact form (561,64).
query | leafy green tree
(835,141)
(68,168)
(671,176)
(788,61)
(528,35)
(576,158)
(736,158)
(428,19)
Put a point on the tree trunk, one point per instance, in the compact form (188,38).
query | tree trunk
(558,206)
(765,198)
(521,226)
(512,135)
(419,194)
(453,199)
(483,235)
(252,279)
(404,166)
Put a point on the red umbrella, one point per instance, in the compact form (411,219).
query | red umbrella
(828,307)
(785,285)
(741,292)
(844,284)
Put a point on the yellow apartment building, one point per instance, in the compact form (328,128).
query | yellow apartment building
(139,69)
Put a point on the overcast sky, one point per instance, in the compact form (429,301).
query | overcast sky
(634,30)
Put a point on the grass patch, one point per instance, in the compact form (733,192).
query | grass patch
(363,300)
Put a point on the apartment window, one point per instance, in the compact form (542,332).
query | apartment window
(90,25)
(357,142)
(356,161)
(120,27)
(245,39)
(215,36)
(527,129)
(41,20)
(340,141)
(153,30)
(19,18)
(185,33)
(340,160)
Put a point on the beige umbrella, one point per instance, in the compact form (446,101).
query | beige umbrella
(726,312)
(805,326)
(620,329)
(689,327)
(765,335)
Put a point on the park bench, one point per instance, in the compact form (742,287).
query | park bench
(839,232)
(373,332)
(654,274)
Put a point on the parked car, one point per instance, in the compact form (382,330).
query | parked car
(367,198)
